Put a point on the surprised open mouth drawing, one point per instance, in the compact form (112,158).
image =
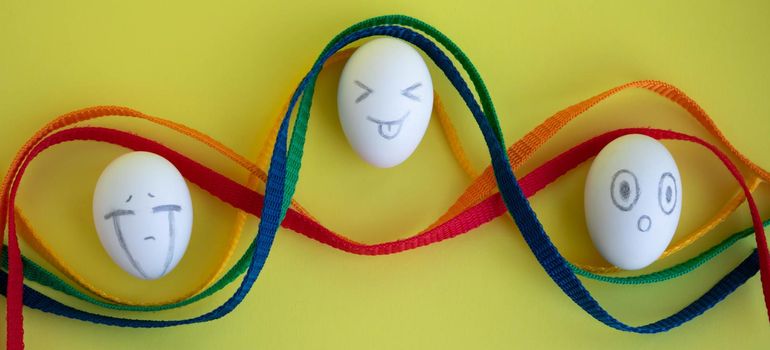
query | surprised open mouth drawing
(388,129)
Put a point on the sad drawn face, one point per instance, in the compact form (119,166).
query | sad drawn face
(143,214)
(156,249)
(633,201)
(385,99)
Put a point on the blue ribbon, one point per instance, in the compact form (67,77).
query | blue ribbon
(517,204)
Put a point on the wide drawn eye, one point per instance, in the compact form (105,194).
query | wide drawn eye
(667,193)
(624,190)
(367,91)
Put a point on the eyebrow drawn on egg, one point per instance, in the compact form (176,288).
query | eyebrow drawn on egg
(118,212)
(367,89)
(408,92)
(150,195)
(166,207)
(129,198)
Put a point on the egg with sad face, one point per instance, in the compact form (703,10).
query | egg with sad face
(385,99)
(143,214)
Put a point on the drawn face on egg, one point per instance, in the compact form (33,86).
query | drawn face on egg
(134,237)
(633,201)
(625,193)
(143,214)
(385,98)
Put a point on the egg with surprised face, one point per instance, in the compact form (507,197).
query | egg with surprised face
(633,199)
(385,99)
(143,214)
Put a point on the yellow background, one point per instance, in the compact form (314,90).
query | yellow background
(226,67)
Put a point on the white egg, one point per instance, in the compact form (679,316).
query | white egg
(143,214)
(385,98)
(633,198)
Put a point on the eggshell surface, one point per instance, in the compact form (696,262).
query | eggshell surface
(633,200)
(143,214)
(385,99)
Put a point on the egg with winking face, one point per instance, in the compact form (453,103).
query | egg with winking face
(385,99)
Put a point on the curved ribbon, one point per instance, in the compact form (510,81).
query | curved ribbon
(283,174)
(248,200)
(212,182)
(547,128)
(513,196)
